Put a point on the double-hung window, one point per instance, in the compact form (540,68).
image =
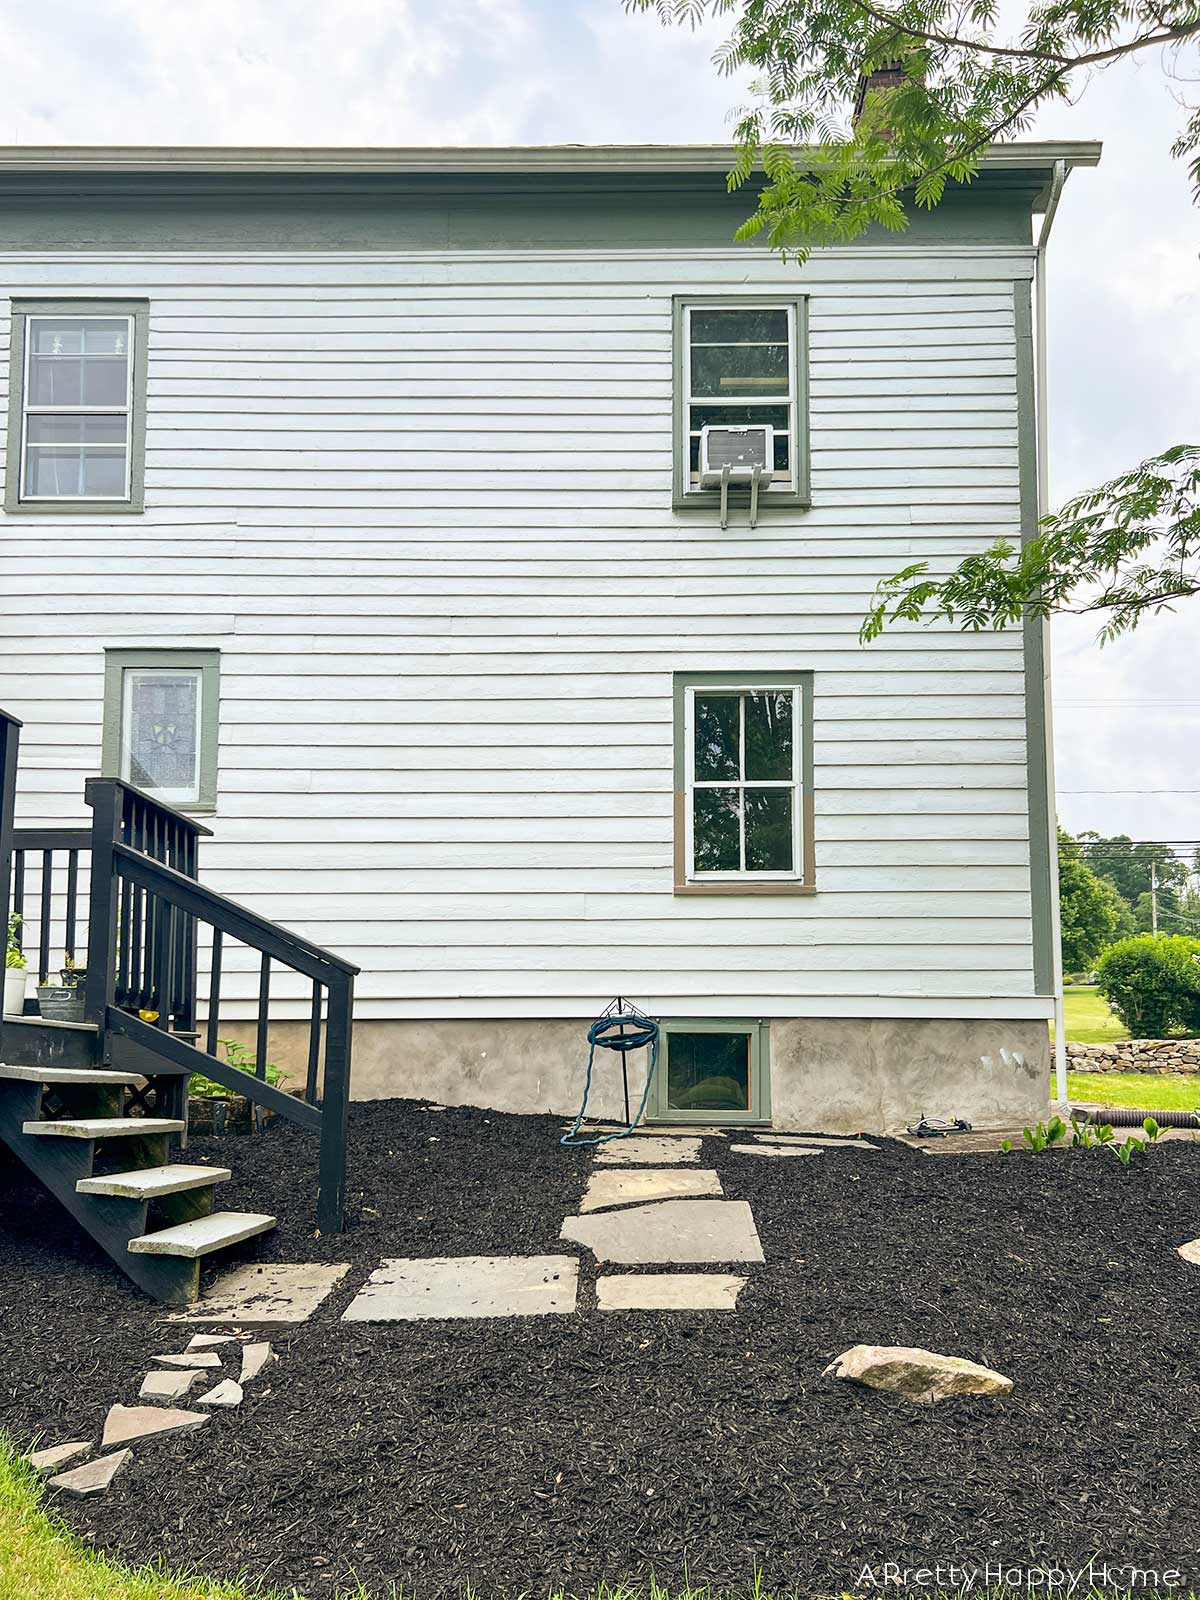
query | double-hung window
(76,418)
(744,815)
(741,362)
(160,723)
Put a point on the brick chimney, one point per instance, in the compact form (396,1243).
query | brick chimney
(888,76)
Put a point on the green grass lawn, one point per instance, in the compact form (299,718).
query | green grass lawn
(1089,1021)
(1149,1091)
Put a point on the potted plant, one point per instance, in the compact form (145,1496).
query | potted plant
(14,971)
(71,973)
(212,1108)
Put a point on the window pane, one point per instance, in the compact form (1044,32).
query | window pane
(86,429)
(769,830)
(708,1071)
(716,737)
(754,325)
(78,361)
(57,470)
(162,731)
(739,416)
(716,843)
(769,734)
(739,369)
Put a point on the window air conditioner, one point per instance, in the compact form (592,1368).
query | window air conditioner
(741,450)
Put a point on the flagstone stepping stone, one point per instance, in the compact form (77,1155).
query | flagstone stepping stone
(226,1393)
(58,1455)
(269,1293)
(467,1286)
(774,1150)
(93,1477)
(668,1291)
(683,1232)
(128,1424)
(195,1359)
(167,1385)
(919,1375)
(665,1151)
(254,1359)
(207,1341)
(619,1187)
(833,1141)
(1190,1251)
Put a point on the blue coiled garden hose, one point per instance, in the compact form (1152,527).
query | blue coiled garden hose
(609,1033)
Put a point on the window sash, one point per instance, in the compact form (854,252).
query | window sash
(794,785)
(781,484)
(171,794)
(29,409)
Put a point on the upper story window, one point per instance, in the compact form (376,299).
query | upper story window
(76,437)
(742,363)
(160,723)
(744,778)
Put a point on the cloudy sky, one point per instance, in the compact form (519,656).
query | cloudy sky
(1125,282)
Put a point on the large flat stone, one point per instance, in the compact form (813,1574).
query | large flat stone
(467,1286)
(923,1376)
(665,1150)
(193,1359)
(167,1385)
(668,1291)
(786,1150)
(832,1141)
(58,1455)
(1190,1251)
(93,1477)
(671,1232)
(128,1424)
(253,1294)
(625,1186)
(254,1359)
(227,1393)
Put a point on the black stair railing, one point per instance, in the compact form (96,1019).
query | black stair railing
(147,910)
(47,896)
(10,739)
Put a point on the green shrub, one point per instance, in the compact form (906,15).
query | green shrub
(1153,984)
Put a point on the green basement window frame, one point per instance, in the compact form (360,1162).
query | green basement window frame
(77,407)
(744,813)
(161,710)
(713,1072)
(738,360)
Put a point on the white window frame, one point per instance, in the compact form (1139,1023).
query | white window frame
(795,783)
(29,410)
(794,490)
(189,796)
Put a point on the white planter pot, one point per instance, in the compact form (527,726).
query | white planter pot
(14,991)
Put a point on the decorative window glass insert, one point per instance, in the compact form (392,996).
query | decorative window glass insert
(160,723)
(76,437)
(740,363)
(160,733)
(78,408)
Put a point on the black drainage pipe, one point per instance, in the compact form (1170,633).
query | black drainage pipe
(1127,1117)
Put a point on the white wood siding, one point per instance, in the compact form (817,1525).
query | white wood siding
(421,504)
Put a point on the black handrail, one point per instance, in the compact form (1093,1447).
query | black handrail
(142,971)
(10,738)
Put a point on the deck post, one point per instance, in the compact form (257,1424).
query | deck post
(335,1100)
(100,992)
(10,738)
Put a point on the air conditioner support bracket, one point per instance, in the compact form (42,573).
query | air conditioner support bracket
(755,476)
(724,497)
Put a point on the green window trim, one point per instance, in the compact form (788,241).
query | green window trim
(132,504)
(684,498)
(118,662)
(802,881)
(758,1112)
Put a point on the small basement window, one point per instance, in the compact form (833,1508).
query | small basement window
(160,723)
(713,1072)
(739,363)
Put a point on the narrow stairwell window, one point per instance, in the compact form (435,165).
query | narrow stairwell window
(160,723)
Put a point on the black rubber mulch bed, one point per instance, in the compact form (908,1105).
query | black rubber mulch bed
(560,1451)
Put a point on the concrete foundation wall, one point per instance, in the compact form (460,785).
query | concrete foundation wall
(829,1074)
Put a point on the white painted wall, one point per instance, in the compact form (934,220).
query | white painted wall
(421,503)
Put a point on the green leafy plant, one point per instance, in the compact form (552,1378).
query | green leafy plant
(1151,1129)
(243,1058)
(1126,1149)
(13,958)
(1153,983)
(1046,1134)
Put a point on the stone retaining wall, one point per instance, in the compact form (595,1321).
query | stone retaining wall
(1136,1055)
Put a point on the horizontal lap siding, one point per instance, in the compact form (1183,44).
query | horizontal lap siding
(422,508)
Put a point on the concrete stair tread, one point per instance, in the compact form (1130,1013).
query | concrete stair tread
(149,1183)
(101,1127)
(80,1075)
(205,1234)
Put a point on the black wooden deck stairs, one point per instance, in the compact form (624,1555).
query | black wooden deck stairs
(94,1109)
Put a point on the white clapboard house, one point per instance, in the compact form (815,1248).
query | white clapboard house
(476,543)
